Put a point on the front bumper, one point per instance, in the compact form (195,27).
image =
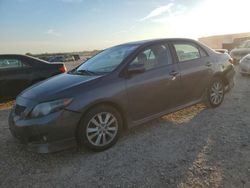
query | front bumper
(47,134)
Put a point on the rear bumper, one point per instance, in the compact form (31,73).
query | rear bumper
(51,133)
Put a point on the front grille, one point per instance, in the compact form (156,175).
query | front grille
(19,109)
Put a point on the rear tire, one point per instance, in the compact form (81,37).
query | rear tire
(100,128)
(215,93)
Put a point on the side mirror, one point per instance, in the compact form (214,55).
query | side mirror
(136,69)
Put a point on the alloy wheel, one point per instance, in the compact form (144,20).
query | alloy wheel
(216,93)
(102,129)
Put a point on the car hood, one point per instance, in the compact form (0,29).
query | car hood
(59,86)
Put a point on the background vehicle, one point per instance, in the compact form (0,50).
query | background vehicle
(56,59)
(245,65)
(242,50)
(122,86)
(223,51)
(17,72)
(76,57)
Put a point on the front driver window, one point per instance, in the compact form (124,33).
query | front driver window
(11,63)
(153,57)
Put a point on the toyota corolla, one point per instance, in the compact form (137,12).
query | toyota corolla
(120,87)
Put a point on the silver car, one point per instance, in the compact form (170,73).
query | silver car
(245,65)
(241,51)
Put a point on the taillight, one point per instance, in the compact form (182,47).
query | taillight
(63,69)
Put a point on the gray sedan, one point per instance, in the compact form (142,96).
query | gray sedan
(120,87)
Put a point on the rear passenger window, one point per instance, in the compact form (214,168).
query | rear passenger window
(186,52)
(11,63)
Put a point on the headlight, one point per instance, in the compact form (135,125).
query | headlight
(46,108)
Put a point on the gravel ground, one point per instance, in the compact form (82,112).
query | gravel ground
(195,147)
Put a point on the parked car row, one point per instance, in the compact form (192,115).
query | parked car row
(120,87)
(63,58)
(240,55)
(17,72)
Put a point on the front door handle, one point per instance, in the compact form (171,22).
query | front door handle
(208,64)
(173,73)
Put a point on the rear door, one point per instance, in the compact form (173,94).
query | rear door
(195,67)
(15,76)
(158,88)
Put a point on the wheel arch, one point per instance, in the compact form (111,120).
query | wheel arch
(112,104)
(222,76)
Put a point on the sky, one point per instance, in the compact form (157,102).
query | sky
(48,26)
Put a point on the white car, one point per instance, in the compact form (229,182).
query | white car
(245,65)
(239,52)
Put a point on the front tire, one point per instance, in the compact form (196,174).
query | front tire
(100,128)
(216,92)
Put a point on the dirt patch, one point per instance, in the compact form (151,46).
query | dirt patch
(6,105)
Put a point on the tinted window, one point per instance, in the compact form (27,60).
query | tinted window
(186,52)
(107,60)
(153,57)
(11,63)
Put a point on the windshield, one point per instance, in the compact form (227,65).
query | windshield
(106,61)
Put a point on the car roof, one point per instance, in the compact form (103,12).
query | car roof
(25,56)
(143,42)
(16,55)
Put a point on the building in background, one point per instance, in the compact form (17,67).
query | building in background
(228,42)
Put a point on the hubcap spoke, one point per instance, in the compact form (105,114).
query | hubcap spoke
(92,130)
(93,135)
(104,138)
(107,118)
(110,134)
(111,121)
(95,122)
(112,129)
(213,94)
(98,140)
(100,118)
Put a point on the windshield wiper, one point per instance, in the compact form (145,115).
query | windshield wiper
(85,72)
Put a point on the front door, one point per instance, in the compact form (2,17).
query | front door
(158,88)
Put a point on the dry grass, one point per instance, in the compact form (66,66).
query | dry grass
(6,105)
(185,115)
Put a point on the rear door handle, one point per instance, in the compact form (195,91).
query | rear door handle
(208,64)
(173,73)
